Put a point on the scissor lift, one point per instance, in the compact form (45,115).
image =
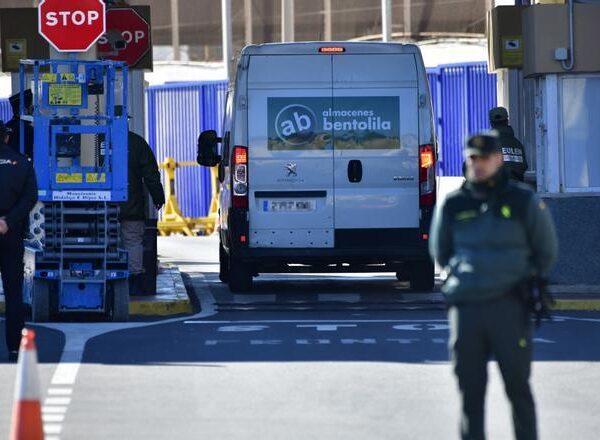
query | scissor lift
(80,158)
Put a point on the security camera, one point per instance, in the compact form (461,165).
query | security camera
(115,39)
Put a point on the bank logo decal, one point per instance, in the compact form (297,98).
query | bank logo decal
(346,123)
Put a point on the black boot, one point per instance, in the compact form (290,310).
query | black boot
(134,285)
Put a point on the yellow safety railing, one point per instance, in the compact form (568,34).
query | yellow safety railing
(172,220)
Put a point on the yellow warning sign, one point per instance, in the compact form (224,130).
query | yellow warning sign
(69,178)
(16,50)
(512,51)
(49,77)
(65,94)
(95,178)
(67,77)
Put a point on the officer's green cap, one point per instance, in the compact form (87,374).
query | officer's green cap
(483,144)
(498,114)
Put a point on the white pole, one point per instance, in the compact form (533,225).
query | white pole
(287,20)
(248,21)
(175,30)
(328,32)
(386,20)
(407,19)
(226,31)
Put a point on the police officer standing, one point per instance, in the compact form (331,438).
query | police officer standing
(513,151)
(142,172)
(13,127)
(18,195)
(491,235)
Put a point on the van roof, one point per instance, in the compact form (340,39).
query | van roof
(312,47)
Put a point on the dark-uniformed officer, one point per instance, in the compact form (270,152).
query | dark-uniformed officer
(142,172)
(18,195)
(513,151)
(13,127)
(491,235)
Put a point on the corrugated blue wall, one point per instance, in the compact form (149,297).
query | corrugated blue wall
(176,115)
(5,110)
(461,94)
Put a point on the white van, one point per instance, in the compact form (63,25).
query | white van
(327,162)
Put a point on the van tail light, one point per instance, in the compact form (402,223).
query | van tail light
(426,176)
(240,177)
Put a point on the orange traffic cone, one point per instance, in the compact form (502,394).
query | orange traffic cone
(27,411)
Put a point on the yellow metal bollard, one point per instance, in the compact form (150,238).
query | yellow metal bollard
(172,220)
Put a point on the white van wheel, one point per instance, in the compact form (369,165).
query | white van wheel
(240,276)
(223,264)
(422,276)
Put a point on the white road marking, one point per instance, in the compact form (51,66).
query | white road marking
(326,327)
(52,428)
(60,391)
(60,401)
(54,409)
(325,321)
(49,418)
(572,318)
(543,341)
(242,328)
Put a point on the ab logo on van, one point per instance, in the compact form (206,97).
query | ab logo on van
(295,124)
(342,123)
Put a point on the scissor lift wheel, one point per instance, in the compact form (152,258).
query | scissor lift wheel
(120,301)
(40,309)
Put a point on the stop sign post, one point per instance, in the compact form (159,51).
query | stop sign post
(135,32)
(71,26)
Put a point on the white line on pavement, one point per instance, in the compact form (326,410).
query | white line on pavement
(60,391)
(52,428)
(54,409)
(60,401)
(572,318)
(50,418)
(316,321)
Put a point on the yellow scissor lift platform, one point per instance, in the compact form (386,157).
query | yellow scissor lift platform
(172,220)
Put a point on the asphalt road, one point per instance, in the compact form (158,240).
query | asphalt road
(303,357)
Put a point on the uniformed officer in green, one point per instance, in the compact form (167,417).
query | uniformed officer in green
(490,236)
(513,151)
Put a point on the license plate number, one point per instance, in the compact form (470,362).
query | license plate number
(290,205)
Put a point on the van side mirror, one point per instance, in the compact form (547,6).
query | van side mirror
(208,150)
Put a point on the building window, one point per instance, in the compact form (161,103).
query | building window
(580,144)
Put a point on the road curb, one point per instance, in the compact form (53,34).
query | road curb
(577,304)
(171,299)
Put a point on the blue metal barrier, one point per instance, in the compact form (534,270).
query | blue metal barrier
(177,113)
(5,110)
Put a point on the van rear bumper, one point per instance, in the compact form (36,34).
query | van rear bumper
(351,247)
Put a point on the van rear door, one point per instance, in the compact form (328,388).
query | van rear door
(375,127)
(290,152)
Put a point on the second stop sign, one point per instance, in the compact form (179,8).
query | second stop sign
(135,32)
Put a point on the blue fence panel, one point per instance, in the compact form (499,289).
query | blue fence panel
(466,93)
(177,114)
(5,110)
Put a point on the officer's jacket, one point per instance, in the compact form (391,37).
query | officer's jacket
(18,188)
(13,128)
(489,241)
(142,170)
(513,151)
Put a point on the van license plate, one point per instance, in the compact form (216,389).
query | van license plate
(291,206)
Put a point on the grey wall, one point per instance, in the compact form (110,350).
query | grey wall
(578,225)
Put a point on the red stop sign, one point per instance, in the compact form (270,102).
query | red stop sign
(71,26)
(135,32)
